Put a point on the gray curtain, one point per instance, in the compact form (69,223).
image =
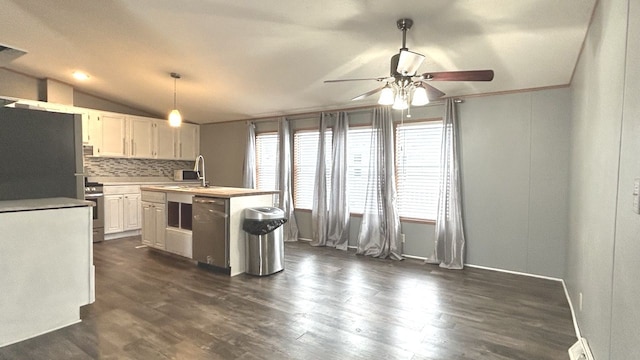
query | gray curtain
(319,213)
(249,172)
(449,245)
(338,205)
(380,230)
(330,214)
(285,198)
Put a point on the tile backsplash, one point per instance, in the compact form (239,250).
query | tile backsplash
(120,167)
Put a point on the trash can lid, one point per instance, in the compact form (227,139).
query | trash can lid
(263,213)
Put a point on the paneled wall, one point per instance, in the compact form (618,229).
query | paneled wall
(604,233)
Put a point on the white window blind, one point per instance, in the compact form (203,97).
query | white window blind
(418,169)
(358,153)
(266,160)
(305,154)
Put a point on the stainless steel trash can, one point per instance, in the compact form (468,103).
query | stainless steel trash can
(265,244)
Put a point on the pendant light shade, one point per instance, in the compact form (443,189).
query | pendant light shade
(175,119)
(386,96)
(420,97)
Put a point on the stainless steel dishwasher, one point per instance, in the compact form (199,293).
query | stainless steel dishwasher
(211,231)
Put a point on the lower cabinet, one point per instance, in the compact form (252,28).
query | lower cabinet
(153,224)
(122,211)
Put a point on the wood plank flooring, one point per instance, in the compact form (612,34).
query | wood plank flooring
(327,304)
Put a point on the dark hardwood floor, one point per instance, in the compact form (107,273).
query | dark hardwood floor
(327,304)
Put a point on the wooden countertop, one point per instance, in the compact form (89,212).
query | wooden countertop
(41,204)
(211,191)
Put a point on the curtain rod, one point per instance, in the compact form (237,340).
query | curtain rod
(304,115)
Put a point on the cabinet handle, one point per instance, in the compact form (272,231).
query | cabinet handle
(124,146)
(180,149)
(133,148)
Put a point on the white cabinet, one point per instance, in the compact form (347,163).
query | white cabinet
(188,146)
(113,214)
(122,210)
(154,219)
(112,129)
(141,137)
(132,216)
(165,140)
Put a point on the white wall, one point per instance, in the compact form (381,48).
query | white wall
(603,232)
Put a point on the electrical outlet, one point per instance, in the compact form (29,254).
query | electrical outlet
(580,301)
(402,237)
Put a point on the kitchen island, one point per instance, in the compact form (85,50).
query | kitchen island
(46,265)
(169,221)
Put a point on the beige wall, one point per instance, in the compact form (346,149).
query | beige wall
(223,147)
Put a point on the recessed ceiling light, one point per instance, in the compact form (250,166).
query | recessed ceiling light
(79,75)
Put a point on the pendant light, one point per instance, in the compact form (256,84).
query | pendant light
(175,119)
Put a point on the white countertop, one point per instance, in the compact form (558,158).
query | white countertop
(211,191)
(41,204)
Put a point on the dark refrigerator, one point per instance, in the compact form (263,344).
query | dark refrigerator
(40,154)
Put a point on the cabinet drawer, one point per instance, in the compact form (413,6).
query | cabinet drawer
(121,189)
(153,196)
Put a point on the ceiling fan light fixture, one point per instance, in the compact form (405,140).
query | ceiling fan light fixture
(400,102)
(386,96)
(175,119)
(419,97)
(409,62)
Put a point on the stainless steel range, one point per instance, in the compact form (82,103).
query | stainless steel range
(94,191)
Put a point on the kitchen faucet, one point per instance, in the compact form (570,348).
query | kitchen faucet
(196,168)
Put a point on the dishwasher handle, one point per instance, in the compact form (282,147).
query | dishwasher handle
(207,200)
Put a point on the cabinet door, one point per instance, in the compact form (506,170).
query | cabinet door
(132,212)
(113,213)
(165,140)
(189,142)
(113,135)
(160,223)
(95,133)
(148,223)
(141,137)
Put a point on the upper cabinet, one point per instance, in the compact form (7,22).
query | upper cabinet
(141,137)
(189,142)
(114,135)
(165,140)
(120,135)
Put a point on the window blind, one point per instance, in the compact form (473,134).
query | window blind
(266,160)
(418,168)
(305,153)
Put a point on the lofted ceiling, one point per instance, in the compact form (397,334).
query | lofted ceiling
(247,58)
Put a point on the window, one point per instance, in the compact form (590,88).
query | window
(358,153)
(418,169)
(305,153)
(266,160)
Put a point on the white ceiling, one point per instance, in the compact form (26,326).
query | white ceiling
(251,58)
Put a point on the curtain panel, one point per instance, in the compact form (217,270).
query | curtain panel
(380,229)
(249,171)
(449,233)
(285,198)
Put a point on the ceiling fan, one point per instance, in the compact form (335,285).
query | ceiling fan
(405,86)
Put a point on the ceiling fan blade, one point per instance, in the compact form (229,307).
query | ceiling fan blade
(470,75)
(368,93)
(409,62)
(342,80)
(432,93)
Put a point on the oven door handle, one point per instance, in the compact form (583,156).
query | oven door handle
(93,196)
